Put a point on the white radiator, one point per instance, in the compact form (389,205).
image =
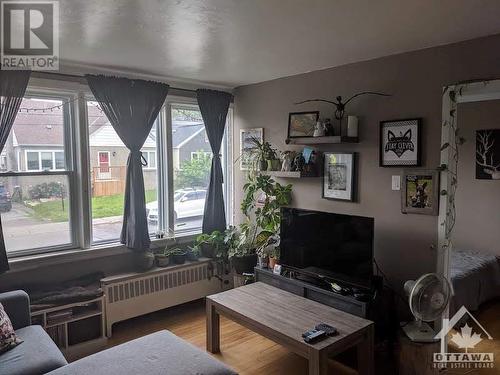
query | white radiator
(134,294)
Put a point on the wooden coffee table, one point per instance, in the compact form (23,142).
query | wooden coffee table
(282,317)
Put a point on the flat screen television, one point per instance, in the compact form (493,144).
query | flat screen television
(320,244)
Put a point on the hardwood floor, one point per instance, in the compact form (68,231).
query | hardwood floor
(245,351)
(251,354)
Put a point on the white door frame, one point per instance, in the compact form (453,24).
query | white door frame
(450,142)
(106,175)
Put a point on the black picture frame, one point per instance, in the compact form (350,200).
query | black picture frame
(290,117)
(396,123)
(410,175)
(488,154)
(352,192)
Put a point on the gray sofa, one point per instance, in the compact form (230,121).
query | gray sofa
(37,354)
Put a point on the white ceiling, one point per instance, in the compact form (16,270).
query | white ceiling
(228,43)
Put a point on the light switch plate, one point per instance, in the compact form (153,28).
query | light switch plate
(396,182)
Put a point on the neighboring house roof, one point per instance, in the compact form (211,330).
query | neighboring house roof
(183,131)
(43,129)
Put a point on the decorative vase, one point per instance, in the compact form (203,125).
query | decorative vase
(263,261)
(275,164)
(269,165)
(263,165)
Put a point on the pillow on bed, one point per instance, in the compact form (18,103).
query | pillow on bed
(8,338)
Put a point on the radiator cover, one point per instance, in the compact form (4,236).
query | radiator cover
(134,294)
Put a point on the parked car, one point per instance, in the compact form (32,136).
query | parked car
(5,199)
(187,203)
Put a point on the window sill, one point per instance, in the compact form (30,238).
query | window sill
(29,262)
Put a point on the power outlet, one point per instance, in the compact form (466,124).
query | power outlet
(396,182)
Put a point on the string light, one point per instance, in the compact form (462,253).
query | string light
(47,109)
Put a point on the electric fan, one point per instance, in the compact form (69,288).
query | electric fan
(427,297)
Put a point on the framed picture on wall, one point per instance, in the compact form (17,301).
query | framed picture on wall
(247,146)
(420,192)
(400,143)
(339,178)
(302,124)
(488,154)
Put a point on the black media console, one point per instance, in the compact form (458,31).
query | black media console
(345,303)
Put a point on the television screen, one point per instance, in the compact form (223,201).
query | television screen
(337,246)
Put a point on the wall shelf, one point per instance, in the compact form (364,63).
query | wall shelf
(321,140)
(281,174)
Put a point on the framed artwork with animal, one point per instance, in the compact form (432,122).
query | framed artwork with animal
(400,143)
(420,192)
(488,154)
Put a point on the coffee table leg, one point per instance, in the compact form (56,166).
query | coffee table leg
(365,353)
(213,329)
(318,363)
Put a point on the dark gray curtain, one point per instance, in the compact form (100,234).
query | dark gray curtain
(131,106)
(13,85)
(214,106)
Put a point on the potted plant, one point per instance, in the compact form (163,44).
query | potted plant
(262,153)
(193,253)
(144,260)
(162,259)
(177,255)
(210,245)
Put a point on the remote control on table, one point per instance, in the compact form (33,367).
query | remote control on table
(328,329)
(315,337)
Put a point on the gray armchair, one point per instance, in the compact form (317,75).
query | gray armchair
(37,354)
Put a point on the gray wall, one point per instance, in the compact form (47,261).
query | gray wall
(477,201)
(402,242)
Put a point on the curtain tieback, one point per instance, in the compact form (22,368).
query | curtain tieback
(140,156)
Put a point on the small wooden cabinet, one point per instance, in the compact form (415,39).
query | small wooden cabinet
(76,328)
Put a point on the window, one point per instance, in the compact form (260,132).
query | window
(150,159)
(192,161)
(108,167)
(52,198)
(36,187)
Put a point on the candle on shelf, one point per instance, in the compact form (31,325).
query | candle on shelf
(352,126)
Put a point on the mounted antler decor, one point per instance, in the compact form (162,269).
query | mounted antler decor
(340,106)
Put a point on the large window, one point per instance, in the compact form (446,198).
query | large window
(36,180)
(108,166)
(63,173)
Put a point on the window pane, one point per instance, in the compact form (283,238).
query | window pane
(108,161)
(46,161)
(33,161)
(60,162)
(35,211)
(191,174)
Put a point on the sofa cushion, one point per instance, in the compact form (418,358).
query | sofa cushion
(36,355)
(161,353)
(8,338)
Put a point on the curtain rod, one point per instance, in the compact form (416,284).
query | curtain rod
(81,78)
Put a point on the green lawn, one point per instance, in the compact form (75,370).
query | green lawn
(105,206)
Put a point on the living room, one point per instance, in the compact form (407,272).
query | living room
(182,192)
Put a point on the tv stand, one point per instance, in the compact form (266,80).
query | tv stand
(347,303)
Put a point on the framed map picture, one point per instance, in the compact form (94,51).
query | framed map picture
(400,143)
(420,192)
(339,178)
(247,146)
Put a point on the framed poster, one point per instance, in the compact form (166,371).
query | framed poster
(400,143)
(488,154)
(247,146)
(302,124)
(339,177)
(420,192)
